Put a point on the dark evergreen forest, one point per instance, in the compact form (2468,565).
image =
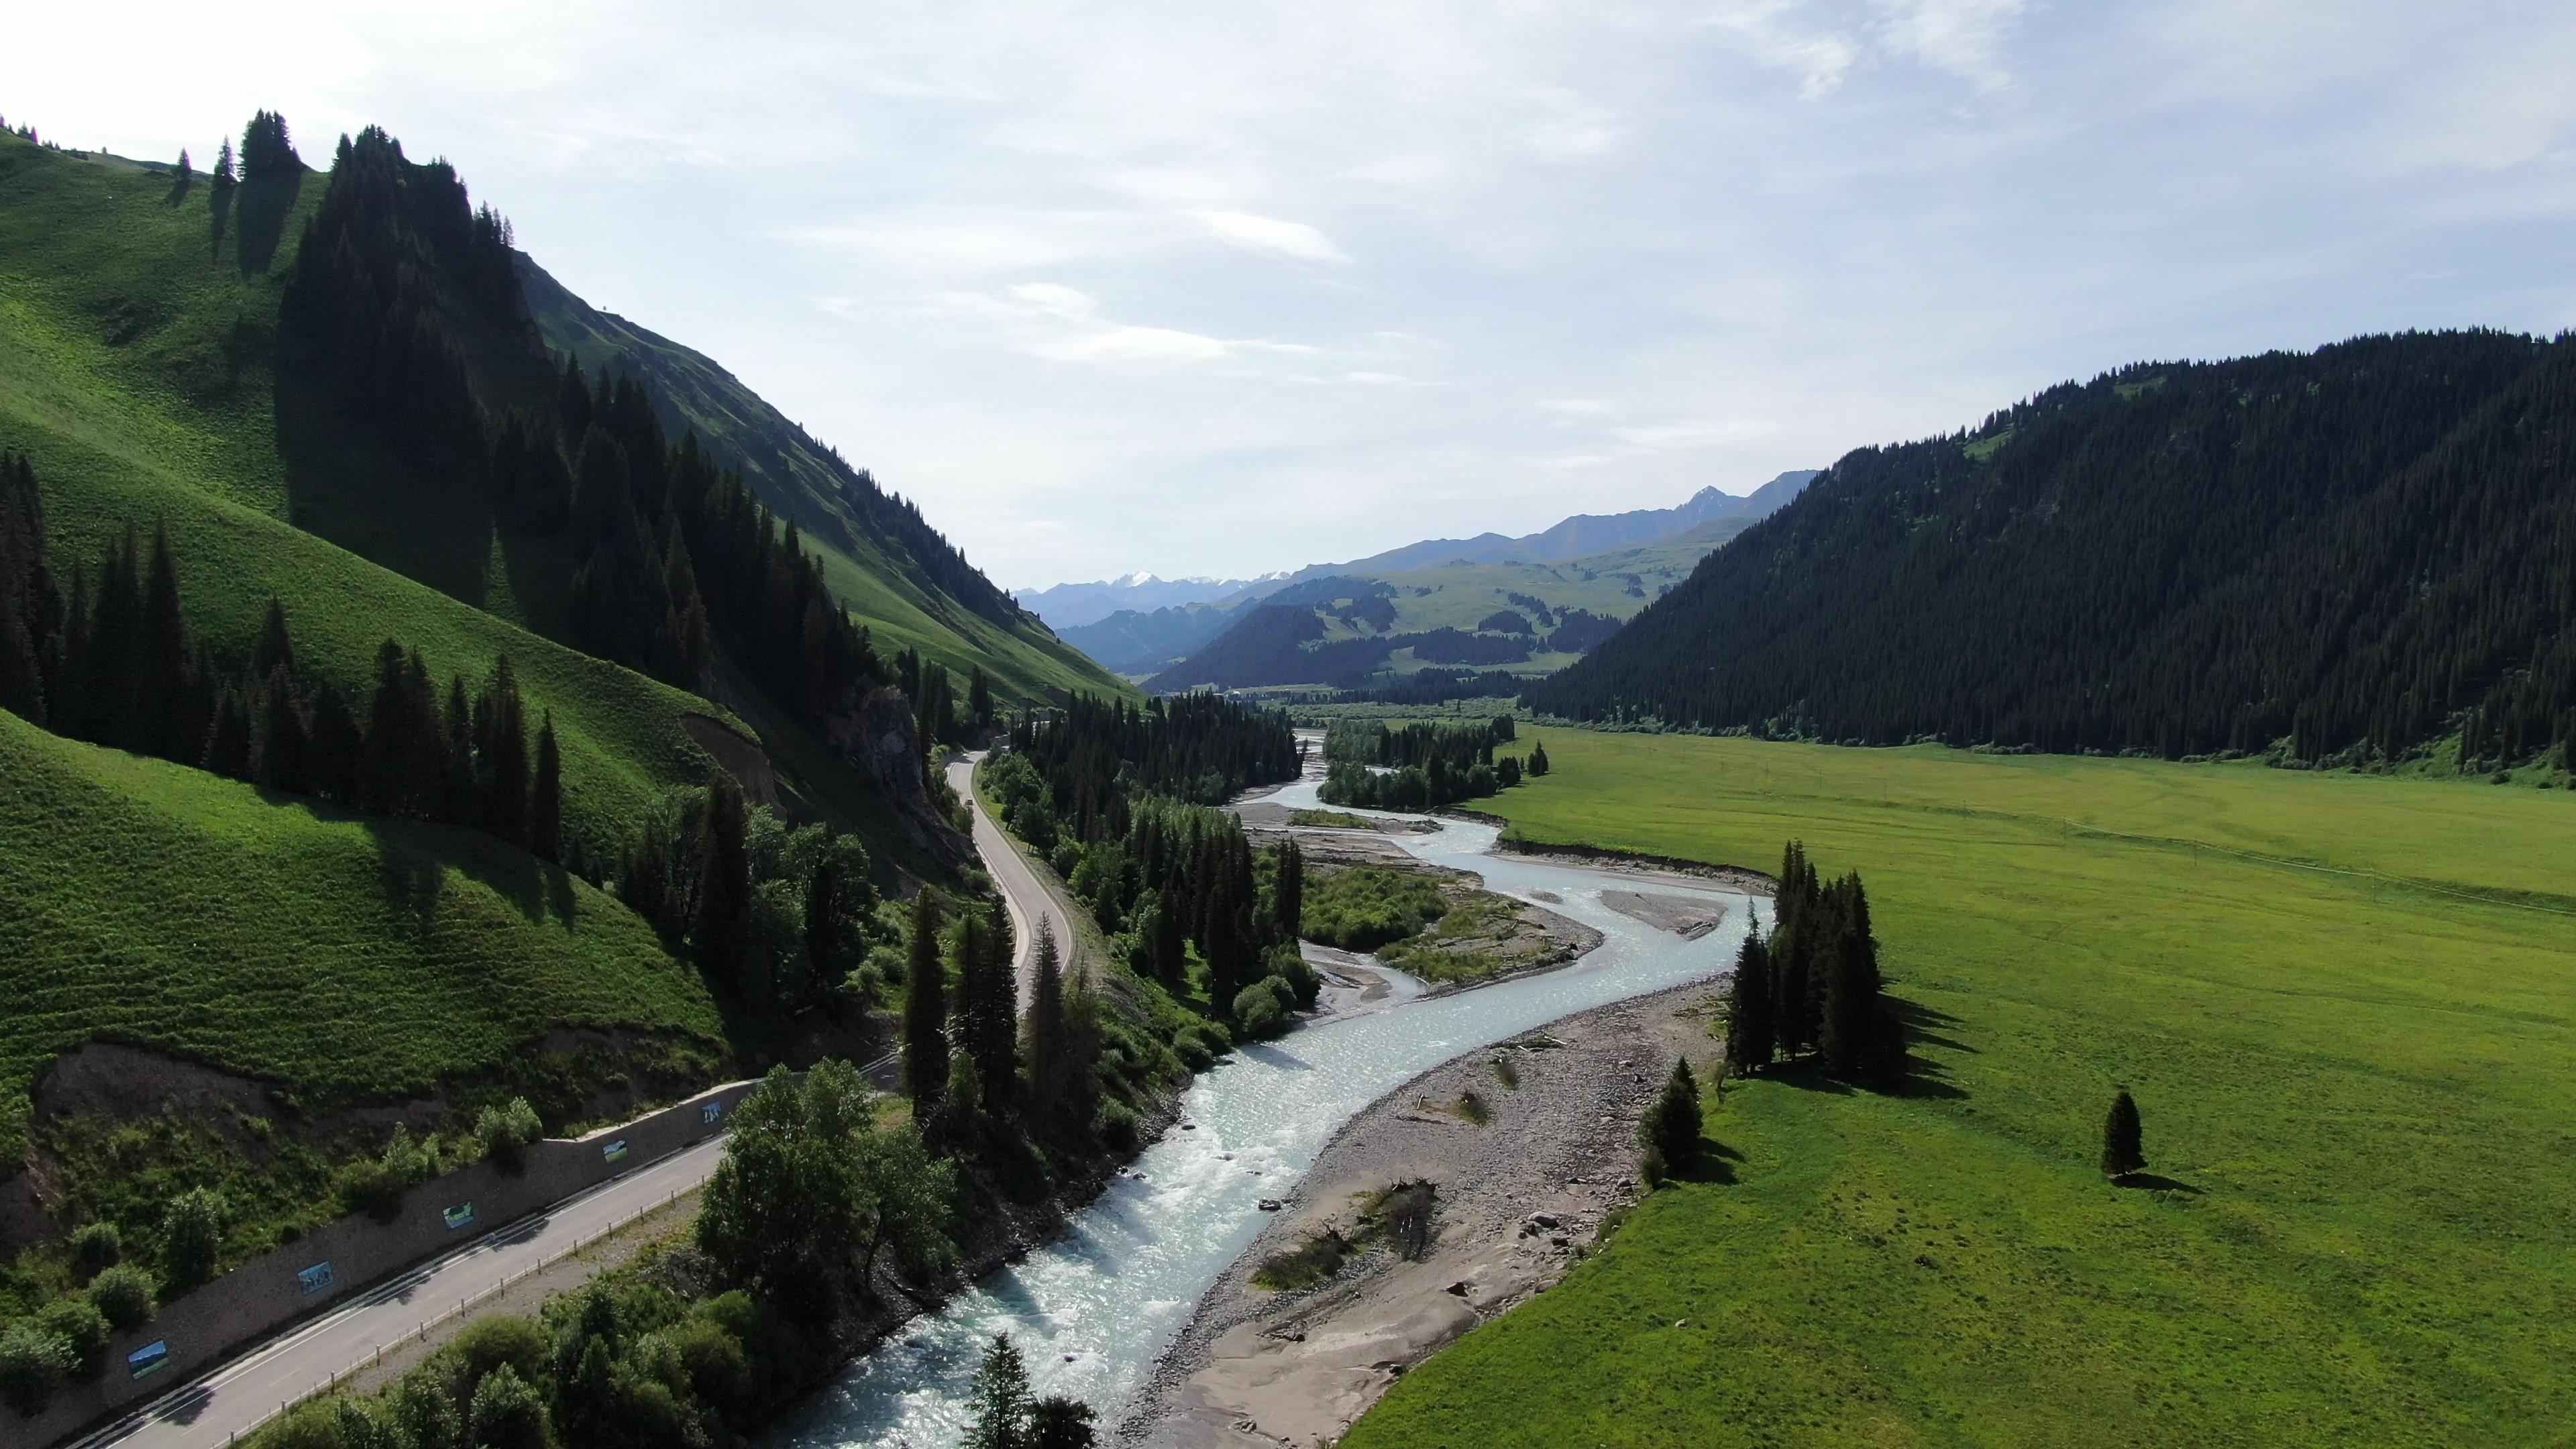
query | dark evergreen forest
(2345,554)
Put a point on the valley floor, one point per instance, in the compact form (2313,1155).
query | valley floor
(2346,1006)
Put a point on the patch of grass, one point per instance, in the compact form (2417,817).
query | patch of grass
(1507,1074)
(2355,1073)
(1311,1262)
(1472,1108)
(1477,934)
(1331,820)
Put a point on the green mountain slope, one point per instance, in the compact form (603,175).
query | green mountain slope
(334,956)
(135,370)
(897,575)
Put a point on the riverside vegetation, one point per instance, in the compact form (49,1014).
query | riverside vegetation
(2344,997)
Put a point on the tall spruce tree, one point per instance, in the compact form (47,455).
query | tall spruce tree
(1288,889)
(1538,759)
(545,795)
(2123,1149)
(719,935)
(994,1021)
(823,926)
(1050,1057)
(925,1009)
(1750,1029)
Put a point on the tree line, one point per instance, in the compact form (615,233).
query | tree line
(114,663)
(1118,798)
(1425,765)
(1812,989)
(2341,556)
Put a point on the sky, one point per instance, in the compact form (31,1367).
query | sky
(1225,289)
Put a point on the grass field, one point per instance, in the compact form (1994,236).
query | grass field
(2353,1059)
(335,956)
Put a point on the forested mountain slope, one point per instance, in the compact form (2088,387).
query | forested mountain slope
(898,574)
(2347,553)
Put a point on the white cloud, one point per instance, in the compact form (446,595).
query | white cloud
(1820,59)
(1690,433)
(1580,406)
(1381,379)
(1959,36)
(1063,324)
(1269,234)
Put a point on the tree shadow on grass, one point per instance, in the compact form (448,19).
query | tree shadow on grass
(413,858)
(2154,1182)
(263,206)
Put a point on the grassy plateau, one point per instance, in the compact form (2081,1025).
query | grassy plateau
(2344,1004)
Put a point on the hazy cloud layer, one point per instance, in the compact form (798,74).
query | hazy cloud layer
(1224,289)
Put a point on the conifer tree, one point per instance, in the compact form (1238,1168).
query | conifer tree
(545,795)
(1288,889)
(1050,1059)
(990,1014)
(162,660)
(228,738)
(1750,1039)
(501,755)
(338,748)
(979,698)
(282,762)
(724,888)
(925,1009)
(2123,1151)
(1538,759)
(224,177)
(1669,1131)
(1000,1394)
(823,920)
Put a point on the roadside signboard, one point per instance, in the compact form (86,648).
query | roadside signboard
(148,1360)
(711,1113)
(460,1216)
(316,1278)
(614,1152)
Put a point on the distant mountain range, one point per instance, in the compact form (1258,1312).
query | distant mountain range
(1066,606)
(1530,603)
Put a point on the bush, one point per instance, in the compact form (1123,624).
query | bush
(97,1246)
(82,1328)
(376,1188)
(1368,906)
(33,1363)
(1256,1011)
(507,1413)
(192,1235)
(505,1340)
(123,1296)
(506,1134)
(718,1369)
(1116,1127)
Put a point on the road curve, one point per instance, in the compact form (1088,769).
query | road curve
(248,1390)
(1024,894)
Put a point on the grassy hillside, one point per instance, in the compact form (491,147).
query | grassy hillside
(2343,1002)
(873,548)
(135,372)
(337,957)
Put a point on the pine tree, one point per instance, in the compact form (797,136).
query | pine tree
(225,177)
(545,795)
(338,748)
(501,755)
(228,738)
(1669,1131)
(1000,1394)
(2123,1151)
(990,1015)
(282,761)
(161,662)
(1538,759)
(925,1009)
(1288,889)
(276,647)
(724,888)
(1049,1050)
(1750,1028)
(979,698)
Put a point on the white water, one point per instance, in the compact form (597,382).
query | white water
(1093,1310)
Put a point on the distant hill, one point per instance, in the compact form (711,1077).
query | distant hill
(1531,608)
(1067,606)
(2339,555)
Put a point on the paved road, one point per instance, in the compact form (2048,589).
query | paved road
(236,1398)
(245,1392)
(1022,890)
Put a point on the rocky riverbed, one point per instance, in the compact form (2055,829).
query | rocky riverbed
(1518,1196)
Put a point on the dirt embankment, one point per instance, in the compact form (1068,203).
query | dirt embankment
(1517,1199)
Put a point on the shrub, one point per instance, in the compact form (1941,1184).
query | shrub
(427,1412)
(1368,906)
(123,1297)
(1116,1128)
(82,1328)
(506,1134)
(376,1187)
(1305,1265)
(505,1340)
(1256,1010)
(97,1246)
(192,1234)
(507,1413)
(33,1363)
(718,1369)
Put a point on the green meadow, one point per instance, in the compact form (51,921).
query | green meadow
(2344,1004)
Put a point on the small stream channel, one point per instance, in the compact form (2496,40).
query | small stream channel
(1093,1310)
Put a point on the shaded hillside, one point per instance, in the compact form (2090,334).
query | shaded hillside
(895,572)
(2349,552)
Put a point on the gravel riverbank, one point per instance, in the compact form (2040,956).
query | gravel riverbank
(1518,1196)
